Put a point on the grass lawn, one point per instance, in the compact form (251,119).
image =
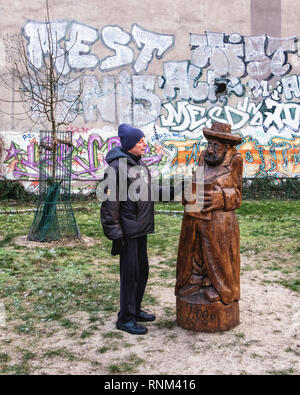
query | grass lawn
(44,286)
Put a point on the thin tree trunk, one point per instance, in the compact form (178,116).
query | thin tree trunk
(52,117)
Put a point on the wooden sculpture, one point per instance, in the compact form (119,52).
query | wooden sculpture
(208,264)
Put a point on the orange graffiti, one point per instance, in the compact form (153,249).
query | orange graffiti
(289,154)
(34,184)
(187,151)
(252,159)
(280,158)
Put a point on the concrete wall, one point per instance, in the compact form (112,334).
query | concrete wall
(159,63)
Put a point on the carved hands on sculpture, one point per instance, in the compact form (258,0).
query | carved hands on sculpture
(213,200)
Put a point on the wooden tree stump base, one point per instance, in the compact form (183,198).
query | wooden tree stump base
(197,314)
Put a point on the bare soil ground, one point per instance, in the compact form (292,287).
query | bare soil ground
(267,341)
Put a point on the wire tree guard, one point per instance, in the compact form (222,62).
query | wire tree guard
(54,217)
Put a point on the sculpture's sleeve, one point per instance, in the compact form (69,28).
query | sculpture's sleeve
(233,195)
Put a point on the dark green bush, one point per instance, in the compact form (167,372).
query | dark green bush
(271,188)
(14,190)
(253,189)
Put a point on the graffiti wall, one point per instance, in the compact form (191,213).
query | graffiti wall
(247,81)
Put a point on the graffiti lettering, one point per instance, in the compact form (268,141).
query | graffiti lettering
(182,78)
(226,54)
(149,43)
(227,78)
(88,158)
(183,116)
(116,39)
(38,43)
(291,87)
(186,116)
(82,37)
(79,45)
(281,157)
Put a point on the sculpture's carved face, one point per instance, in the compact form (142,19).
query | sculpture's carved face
(215,152)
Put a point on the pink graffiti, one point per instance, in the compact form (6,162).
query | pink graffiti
(76,129)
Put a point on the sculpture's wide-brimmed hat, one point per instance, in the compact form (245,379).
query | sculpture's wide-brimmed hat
(222,132)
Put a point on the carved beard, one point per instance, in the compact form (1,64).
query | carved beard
(214,160)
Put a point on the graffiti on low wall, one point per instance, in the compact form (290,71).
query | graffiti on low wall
(22,159)
(279,158)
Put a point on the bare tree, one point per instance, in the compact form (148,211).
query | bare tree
(49,95)
(43,91)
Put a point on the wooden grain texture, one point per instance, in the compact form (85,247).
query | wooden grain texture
(208,262)
(206,317)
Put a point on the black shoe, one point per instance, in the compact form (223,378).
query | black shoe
(132,327)
(145,317)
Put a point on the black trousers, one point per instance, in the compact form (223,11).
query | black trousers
(134,271)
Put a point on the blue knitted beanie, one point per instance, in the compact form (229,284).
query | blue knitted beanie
(129,136)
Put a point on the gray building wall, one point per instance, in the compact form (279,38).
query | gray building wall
(159,63)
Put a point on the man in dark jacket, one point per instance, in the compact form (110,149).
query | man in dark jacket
(127,217)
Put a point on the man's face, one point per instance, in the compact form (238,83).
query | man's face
(215,152)
(140,147)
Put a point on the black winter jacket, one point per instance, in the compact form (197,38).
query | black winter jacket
(127,219)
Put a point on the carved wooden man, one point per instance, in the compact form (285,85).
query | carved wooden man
(208,264)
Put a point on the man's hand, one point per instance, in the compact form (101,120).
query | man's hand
(117,247)
(213,200)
